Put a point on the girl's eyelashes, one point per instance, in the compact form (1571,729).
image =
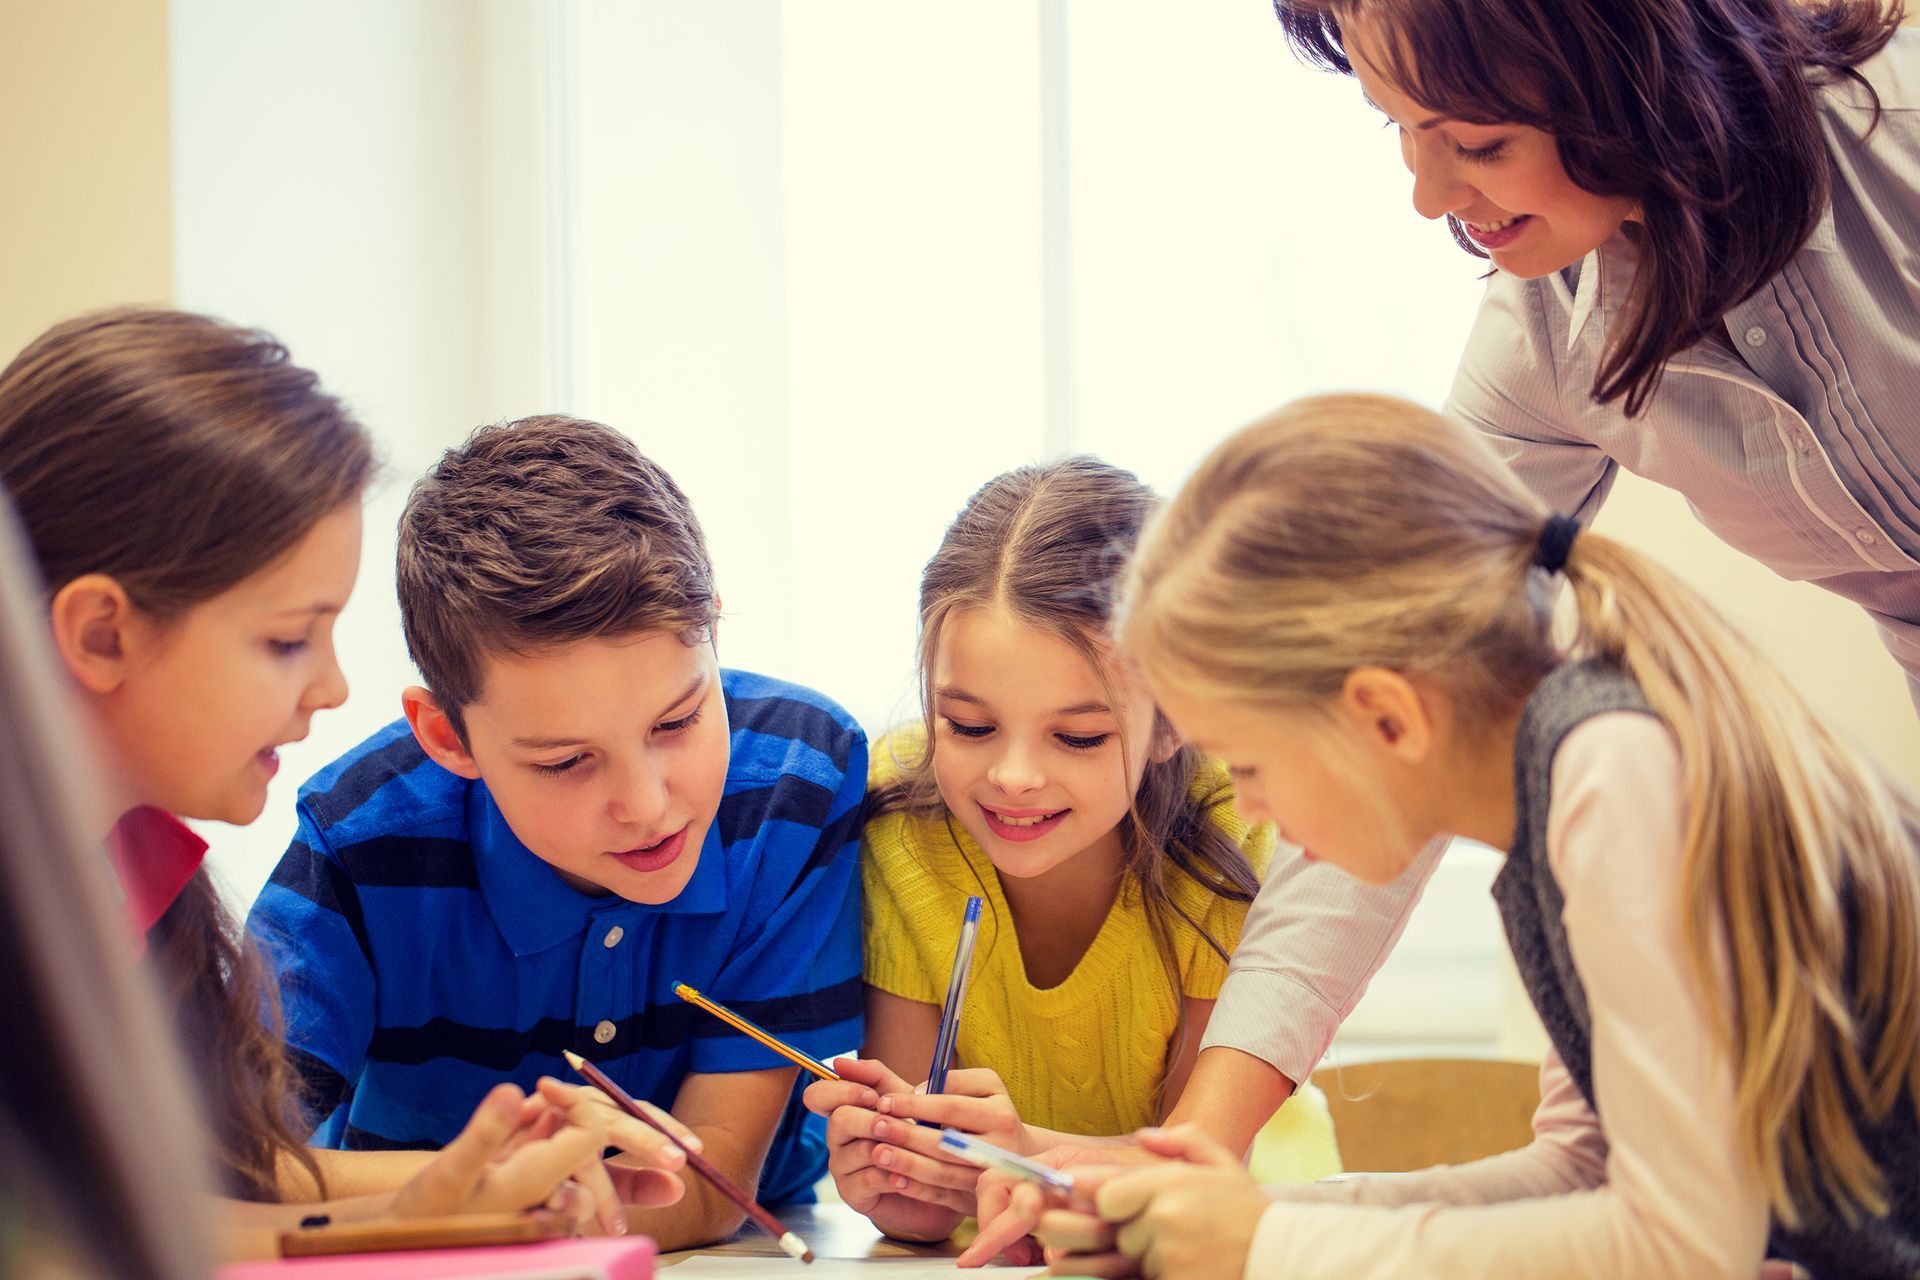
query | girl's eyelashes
(560,767)
(967,730)
(287,648)
(1079,743)
(1481,155)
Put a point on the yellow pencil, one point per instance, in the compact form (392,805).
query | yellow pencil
(739,1023)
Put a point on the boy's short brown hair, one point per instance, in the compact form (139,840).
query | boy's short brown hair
(539,532)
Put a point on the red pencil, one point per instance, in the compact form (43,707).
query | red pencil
(792,1243)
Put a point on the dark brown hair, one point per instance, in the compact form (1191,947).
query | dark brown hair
(1701,111)
(179,455)
(101,1161)
(1049,545)
(540,532)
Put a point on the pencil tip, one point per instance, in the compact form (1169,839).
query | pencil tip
(574,1060)
(682,990)
(797,1247)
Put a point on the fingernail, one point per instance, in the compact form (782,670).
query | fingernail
(885,1158)
(880,1128)
(886,1105)
(620,1224)
(899,1184)
(868,1098)
(694,1143)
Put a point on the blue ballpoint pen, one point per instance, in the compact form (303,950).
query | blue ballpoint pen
(956,994)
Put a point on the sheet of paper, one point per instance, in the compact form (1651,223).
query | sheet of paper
(716,1266)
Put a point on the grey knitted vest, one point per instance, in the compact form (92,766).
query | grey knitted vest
(1530,905)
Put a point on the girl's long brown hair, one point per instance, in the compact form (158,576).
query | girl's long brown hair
(179,455)
(1351,531)
(1703,112)
(1049,544)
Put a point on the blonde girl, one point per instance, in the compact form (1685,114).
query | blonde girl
(191,498)
(1714,902)
(1115,869)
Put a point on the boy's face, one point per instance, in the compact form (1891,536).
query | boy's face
(607,757)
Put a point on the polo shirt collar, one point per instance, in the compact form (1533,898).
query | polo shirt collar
(154,855)
(535,909)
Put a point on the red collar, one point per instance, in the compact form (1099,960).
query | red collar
(155,854)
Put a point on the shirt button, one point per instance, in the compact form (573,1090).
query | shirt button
(1756,337)
(1865,535)
(613,936)
(604,1032)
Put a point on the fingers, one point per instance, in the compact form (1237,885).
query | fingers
(444,1185)
(873,1073)
(1008,1215)
(824,1097)
(645,1187)
(1187,1142)
(603,1199)
(987,1115)
(974,1082)
(574,1203)
(928,1170)
(529,1176)
(1070,1231)
(584,1105)
(921,1139)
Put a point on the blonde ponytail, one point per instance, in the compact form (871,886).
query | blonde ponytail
(1801,853)
(1350,531)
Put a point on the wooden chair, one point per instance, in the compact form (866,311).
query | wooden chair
(1409,1113)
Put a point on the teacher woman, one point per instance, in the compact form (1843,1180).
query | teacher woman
(1702,219)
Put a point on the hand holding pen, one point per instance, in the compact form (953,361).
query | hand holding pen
(1193,1213)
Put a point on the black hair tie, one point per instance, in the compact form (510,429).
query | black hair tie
(1556,539)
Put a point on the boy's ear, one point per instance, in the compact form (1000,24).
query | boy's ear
(1388,712)
(1166,740)
(435,733)
(96,631)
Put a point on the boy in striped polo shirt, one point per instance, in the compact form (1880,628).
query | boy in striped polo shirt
(580,809)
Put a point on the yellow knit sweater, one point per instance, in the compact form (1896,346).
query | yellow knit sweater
(1088,1055)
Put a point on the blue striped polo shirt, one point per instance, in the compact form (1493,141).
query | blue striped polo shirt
(424,954)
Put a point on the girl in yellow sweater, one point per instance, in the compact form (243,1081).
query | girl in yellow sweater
(1115,870)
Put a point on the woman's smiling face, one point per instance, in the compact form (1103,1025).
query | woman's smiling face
(1503,182)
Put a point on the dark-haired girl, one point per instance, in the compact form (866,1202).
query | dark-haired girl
(1703,223)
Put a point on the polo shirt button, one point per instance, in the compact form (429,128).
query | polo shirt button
(1865,536)
(1756,337)
(604,1032)
(613,936)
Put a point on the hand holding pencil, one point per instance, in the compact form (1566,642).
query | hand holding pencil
(787,1240)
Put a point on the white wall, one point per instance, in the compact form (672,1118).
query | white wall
(330,184)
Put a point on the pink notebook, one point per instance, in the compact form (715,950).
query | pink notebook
(600,1258)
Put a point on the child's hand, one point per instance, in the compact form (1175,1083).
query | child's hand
(875,1178)
(514,1156)
(647,1174)
(861,1082)
(1191,1219)
(1009,1208)
(974,1101)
